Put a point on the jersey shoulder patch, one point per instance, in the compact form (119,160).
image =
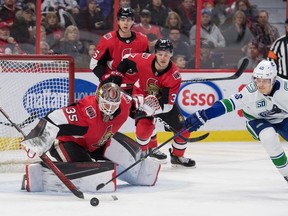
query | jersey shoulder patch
(251,87)
(108,36)
(90,111)
(146,55)
(176,75)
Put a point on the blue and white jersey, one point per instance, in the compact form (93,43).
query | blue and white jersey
(273,107)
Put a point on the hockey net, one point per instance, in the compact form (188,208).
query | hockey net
(30,87)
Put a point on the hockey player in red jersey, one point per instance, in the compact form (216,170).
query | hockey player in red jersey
(114,45)
(160,77)
(85,128)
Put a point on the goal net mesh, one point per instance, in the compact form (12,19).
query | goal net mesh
(31,86)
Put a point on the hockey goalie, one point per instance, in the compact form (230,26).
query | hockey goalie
(79,138)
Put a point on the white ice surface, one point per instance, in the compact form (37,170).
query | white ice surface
(231,179)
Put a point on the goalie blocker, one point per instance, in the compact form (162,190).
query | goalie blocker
(122,152)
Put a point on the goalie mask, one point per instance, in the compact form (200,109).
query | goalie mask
(108,98)
(266,70)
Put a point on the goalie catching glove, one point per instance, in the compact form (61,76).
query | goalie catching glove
(41,138)
(196,120)
(114,77)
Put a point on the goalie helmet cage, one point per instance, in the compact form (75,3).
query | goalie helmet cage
(30,87)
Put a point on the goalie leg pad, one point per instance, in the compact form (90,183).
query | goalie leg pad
(124,151)
(84,175)
(34,178)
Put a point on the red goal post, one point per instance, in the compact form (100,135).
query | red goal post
(30,87)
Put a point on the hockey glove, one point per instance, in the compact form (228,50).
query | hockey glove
(115,77)
(151,105)
(195,121)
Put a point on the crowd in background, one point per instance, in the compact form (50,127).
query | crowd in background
(230,29)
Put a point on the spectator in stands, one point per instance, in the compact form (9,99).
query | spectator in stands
(8,11)
(180,61)
(250,11)
(187,13)
(152,32)
(145,27)
(220,12)
(66,10)
(159,12)
(21,30)
(42,34)
(252,54)
(70,45)
(209,31)
(103,5)
(54,30)
(208,4)
(45,48)
(173,20)
(91,18)
(90,49)
(264,32)
(47,5)
(7,42)
(238,35)
(206,61)
(73,8)
(180,47)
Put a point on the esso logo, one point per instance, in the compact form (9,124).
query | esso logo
(195,96)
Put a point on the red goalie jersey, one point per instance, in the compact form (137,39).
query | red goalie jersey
(84,124)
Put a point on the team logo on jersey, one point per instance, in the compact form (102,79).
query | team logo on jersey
(176,75)
(275,109)
(90,111)
(152,88)
(126,51)
(108,135)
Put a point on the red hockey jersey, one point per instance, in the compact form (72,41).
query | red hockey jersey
(111,49)
(160,84)
(83,123)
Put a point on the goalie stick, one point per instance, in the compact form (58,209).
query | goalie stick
(49,163)
(238,73)
(24,123)
(141,159)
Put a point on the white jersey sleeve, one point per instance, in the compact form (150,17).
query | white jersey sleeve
(273,107)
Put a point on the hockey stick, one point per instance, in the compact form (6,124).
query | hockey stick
(49,163)
(193,139)
(141,159)
(238,73)
(24,123)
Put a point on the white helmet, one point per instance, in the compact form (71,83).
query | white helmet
(265,70)
(108,97)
